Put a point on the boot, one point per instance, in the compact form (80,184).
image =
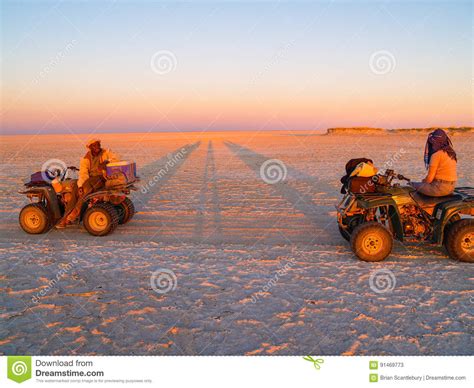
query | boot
(71,217)
(62,224)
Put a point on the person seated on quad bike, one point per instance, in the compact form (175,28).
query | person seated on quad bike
(91,178)
(440,161)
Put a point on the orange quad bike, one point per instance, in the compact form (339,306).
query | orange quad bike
(100,215)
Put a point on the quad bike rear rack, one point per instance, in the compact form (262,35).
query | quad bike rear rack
(467,192)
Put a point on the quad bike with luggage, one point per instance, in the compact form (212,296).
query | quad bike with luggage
(100,215)
(371,218)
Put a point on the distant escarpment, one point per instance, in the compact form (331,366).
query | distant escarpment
(355,130)
(449,130)
(383,131)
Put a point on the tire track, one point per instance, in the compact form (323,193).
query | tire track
(301,201)
(209,192)
(159,172)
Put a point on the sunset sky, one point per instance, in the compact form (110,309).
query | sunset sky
(148,65)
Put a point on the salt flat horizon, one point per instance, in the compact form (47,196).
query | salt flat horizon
(83,133)
(321,131)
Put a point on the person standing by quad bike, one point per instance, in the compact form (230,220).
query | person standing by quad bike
(91,178)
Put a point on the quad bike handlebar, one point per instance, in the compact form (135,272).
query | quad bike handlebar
(60,173)
(391,175)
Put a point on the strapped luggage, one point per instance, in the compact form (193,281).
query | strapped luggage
(350,166)
(361,185)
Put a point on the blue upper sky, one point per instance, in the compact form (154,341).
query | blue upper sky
(299,65)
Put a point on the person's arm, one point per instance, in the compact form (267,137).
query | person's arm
(112,157)
(434,163)
(83,172)
(107,157)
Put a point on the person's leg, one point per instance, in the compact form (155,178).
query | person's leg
(445,188)
(434,189)
(415,185)
(426,189)
(70,200)
(94,183)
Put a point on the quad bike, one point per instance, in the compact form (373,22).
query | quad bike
(101,213)
(370,220)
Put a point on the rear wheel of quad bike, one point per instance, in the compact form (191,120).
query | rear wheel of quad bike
(371,241)
(34,218)
(125,210)
(449,224)
(101,219)
(460,241)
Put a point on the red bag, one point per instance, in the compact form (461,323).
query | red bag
(350,166)
(361,185)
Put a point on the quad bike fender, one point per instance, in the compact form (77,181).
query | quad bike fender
(368,202)
(112,196)
(378,201)
(106,194)
(443,213)
(47,195)
(395,221)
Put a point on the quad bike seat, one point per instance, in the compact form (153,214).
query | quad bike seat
(428,203)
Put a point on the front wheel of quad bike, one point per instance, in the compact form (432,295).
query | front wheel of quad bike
(371,242)
(344,233)
(460,241)
(126,210)
(34,218)
(101,219)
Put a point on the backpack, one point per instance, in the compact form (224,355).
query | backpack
(350,166)
(40,178)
